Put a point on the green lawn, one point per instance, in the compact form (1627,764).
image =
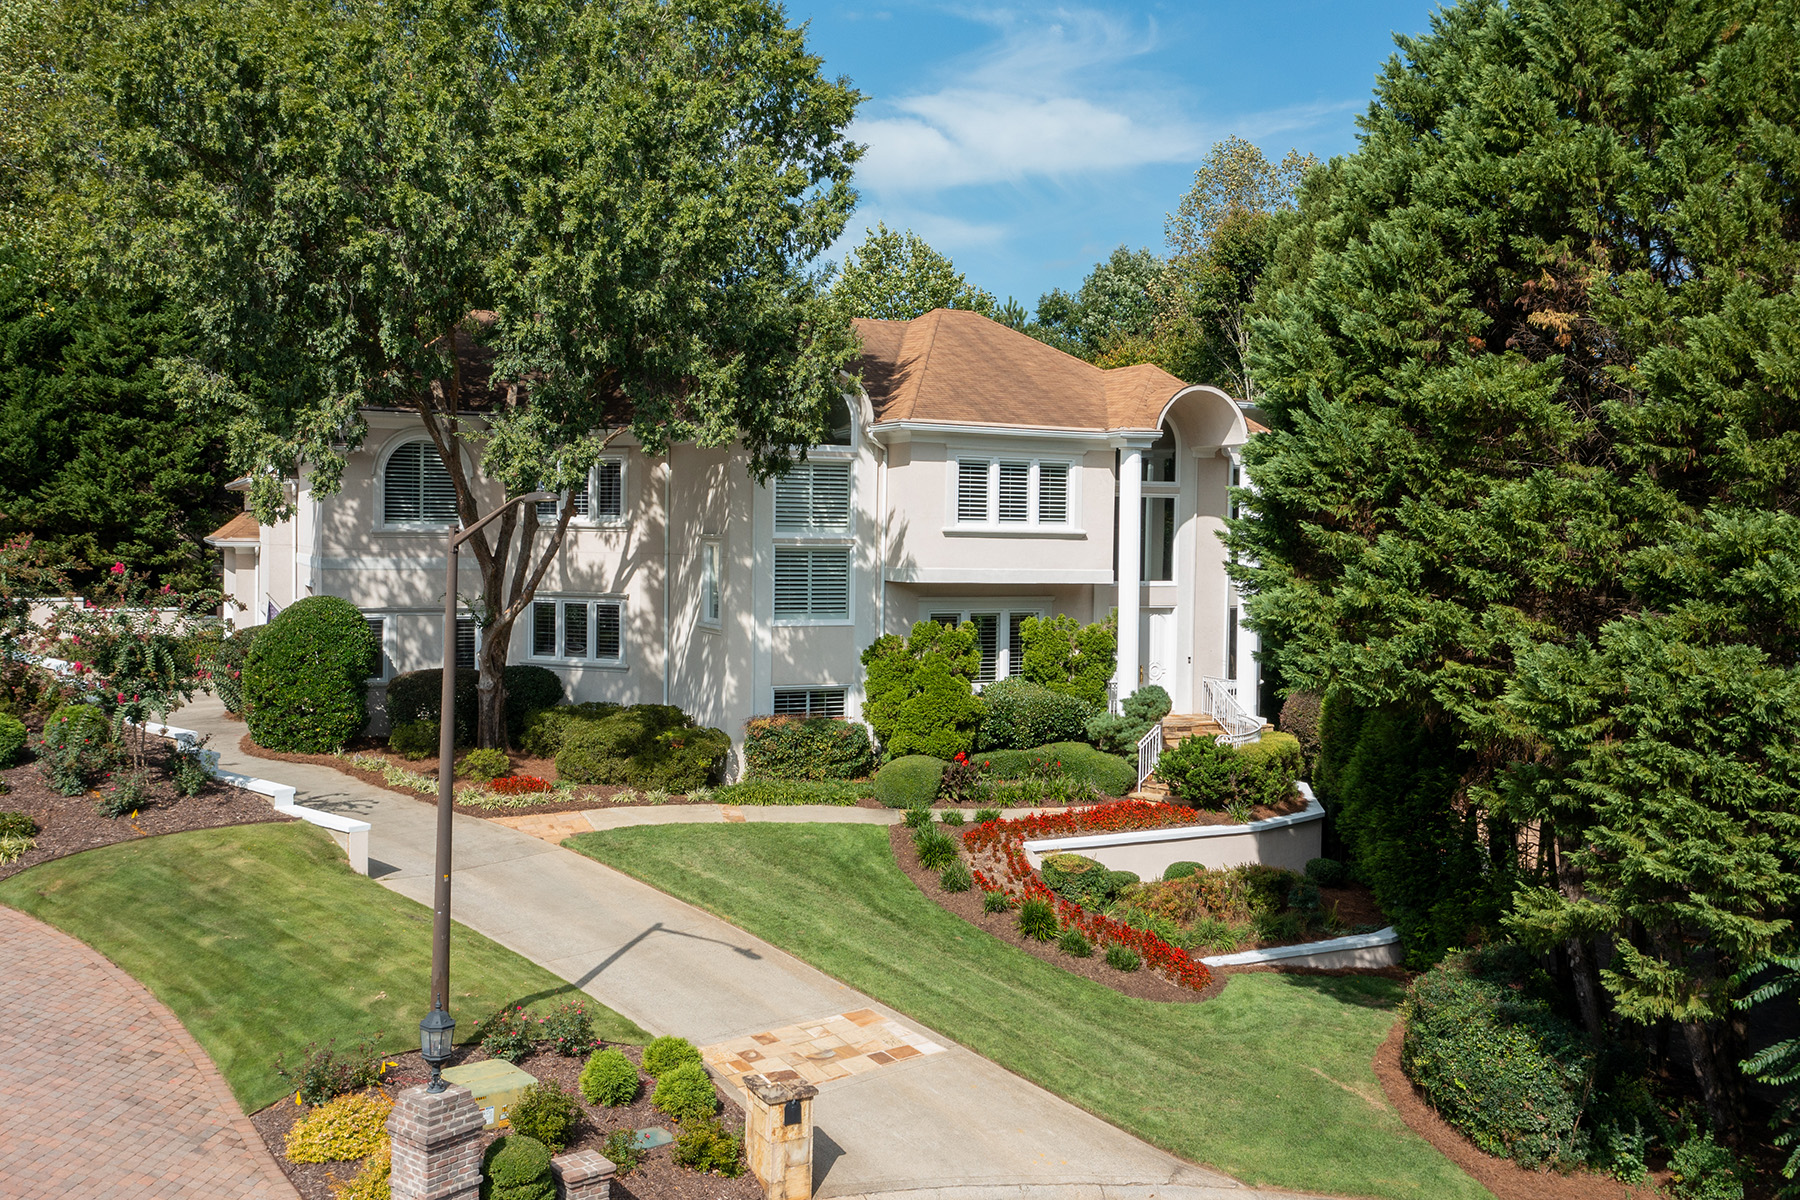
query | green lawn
(261,939)
(1271,1081)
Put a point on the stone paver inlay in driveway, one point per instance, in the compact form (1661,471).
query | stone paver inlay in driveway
(818,1052)
(105,1094)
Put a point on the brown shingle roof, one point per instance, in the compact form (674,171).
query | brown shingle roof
(242,527)
(955,365)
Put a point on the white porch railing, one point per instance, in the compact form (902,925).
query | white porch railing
(1150,748)
(1218,700)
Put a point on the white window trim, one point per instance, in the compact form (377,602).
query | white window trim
(712,576)
(837,542)
(1007,607)
(993,526)
(382,524)
(834,455)
(555,661)
(387,662)
(813,687)
(593,520)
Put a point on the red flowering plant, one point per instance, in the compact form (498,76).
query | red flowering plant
(27,576)
(518,785)
(137,650)
(1004,840)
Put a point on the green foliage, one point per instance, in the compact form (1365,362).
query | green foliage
(1116,303)
(482,764)
(1022,714)
(304,679)
(75,748)
(414,740)
(1077,761)
(1495,1059)
(937,849)
(188,769)
(1037,919)
(609,1078)
(685,1092)
(1327,872)
(324,1071)
(544,728)
(1123,958)
(1701,1169)
(546,1112)
(919,690)
(17,825)
(621,1149)
(956,877)
(792,791)
(994,902)
(984,815)
(1201,773)
(896,276)
(643,746)
(225,666)
(807,748)
(1081,880)
(1074,943)
(419,696)
(1065,656)
(1181,870)
(1775,1066)
(705,1146)
(12,739)
(951,817)
(1300,717)
(509,1033)
(569,1028)
(667,1053)
(1121,734)
(909,782)
(917,817)
(517,1167)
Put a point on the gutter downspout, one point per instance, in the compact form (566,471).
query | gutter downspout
(668,520)
(881,514)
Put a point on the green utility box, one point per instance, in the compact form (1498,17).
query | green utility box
(495,1084)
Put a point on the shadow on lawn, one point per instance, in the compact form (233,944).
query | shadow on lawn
(1362,990)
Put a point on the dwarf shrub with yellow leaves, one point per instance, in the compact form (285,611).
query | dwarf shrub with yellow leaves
(351,1126)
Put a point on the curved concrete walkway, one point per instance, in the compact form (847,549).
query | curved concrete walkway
(104,1092)
(944,1124)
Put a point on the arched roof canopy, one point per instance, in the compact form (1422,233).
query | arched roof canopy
(1205,418)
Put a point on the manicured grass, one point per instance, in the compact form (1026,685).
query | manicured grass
(261,939)
(1271,1081)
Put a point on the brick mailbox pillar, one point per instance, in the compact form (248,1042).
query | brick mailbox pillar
(778,1137)
(582,1175)
(437,1144)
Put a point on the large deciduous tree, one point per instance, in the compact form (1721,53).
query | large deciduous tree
(635,191)
(1532,360)
(897,276)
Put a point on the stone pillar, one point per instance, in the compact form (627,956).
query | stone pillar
(778,1136)
(1131,549)
(437,1144)
(582,1175)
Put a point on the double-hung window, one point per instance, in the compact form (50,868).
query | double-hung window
(578,630)
(999,634)
(379,665)
(710,585)
(812,551)
(600,500)
(1012,493)
(416,487)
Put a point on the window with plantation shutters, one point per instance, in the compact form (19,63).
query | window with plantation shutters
(972,490)
(600,498)
(999,636)
(1015,492)
(543,629)
(813,498)
(575,630)
(465,643)
(416,487)
(378,664)
(809,702)
(1053,493)
(578,630)
(1012,493)
(812,583)
(987,639)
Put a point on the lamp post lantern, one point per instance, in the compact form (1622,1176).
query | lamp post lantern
(437,1029)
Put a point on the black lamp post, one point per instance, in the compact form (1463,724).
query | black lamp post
(438,1027)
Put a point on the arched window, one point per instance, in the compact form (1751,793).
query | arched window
(840,427)
(416,487)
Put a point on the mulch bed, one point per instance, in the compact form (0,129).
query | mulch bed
(655,1178)
(1501,1176)
(70,824)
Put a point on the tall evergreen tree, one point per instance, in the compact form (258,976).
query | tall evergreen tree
(1532,359)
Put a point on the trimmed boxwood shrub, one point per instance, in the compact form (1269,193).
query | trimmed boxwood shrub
(773,792)
(517,1167)
(1203,774)
(12,739)
(1327,872)
(418,696)
(910,781)
(1022,714)
(304,681)
(609,1078)
(686,1093)
(1077,760)
(1495,1058)
(1182,869)
(667,1053)
(644,746)
(414,739)
(807,748)
(544,728)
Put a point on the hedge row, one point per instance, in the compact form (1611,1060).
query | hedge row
(418,696)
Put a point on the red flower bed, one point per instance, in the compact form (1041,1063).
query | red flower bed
(1020,882)
(519,785)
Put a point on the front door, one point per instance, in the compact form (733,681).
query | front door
(1158,660)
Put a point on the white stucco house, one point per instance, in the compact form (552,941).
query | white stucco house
(976,474)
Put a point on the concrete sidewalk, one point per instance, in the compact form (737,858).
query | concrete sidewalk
(938,1126)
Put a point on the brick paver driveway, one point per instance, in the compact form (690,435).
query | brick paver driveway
(104,1092)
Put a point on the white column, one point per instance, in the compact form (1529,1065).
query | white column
(1131,549)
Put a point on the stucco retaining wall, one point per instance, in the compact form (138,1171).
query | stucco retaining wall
(1378,949)
(1289,842)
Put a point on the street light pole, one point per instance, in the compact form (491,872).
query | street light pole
(438,1028)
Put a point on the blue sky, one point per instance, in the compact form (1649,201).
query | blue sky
(1027,142)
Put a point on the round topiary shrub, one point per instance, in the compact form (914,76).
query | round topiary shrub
(910,781)
(414,739)
(305,678)
(667,1053)
(483,764)
(12,739)
(517,1167)
(1181,870)
(609,1078)
(686,1093)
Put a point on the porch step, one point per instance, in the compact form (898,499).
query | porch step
(1151,790)
(1179,728)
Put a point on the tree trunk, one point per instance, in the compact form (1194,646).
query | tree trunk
(1584,969)
(491,659)
(1713,1089)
